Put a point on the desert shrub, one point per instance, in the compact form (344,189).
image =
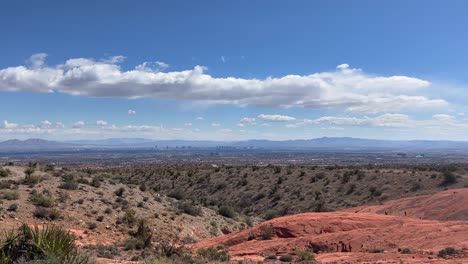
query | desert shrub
(226,211)
(286,258)
(120,191)
(48,214)
(415,186)
(177,194)
(63,196)
(376,250)
(351,188)
(41,200)
(49,244)
(406,251)
(305,255)
(100,218)
(5,184)
(271,214)
(107,251)
(69,182)
(270,257)
(267,232)
(446,252)
(108,211)
(92,226)
(214,254)
(4,172)
(10,195)
(189,208)
(96,181)
(12,208)
(32,180)
(141,238)
(129,217)
(448,178)
(29,171)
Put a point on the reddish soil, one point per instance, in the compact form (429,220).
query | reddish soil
(443,206)
(350,236)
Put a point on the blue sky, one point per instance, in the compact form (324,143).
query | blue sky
(234,70)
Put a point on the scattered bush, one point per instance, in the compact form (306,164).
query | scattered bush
(10,195)
(226,211)
(48,214)
(305,255)
(406,251)
(446,252)
(214,254)
(12,208)
(69,182)
(41,200)
(448,178)
(286,258)
(189,208)
(177,194)
(376,250)
(120,191)
(267,232)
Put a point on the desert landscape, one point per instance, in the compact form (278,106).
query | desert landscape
(190,213)
(236,132)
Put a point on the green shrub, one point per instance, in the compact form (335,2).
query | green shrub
(286,258)
(214,254)
(177,194)
(12,208)
(406,251)
(271,214)
(48,214)
(226,211)
(305,255)
(4,172)
(120,191)
(32,180)
(448,178)
(448,251)
(49,244)
(129,217)
(41,200)
(267,232)
(10,195)
(376,250)
(189,208)
(69,182)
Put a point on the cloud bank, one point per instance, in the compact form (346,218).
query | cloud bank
(345,88)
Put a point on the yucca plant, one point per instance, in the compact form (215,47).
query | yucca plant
(49,244)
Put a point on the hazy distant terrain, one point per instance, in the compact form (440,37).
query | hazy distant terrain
(325,143)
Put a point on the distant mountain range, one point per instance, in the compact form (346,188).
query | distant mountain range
(325,143)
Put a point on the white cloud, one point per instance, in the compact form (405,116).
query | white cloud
(101,123)
(131,112)
(438,122)
(276,118)
(346,88)
(188,124)
(79,124)
(215,124)
(247,120)
(443,117)
(223,59)
(46,123)
(8,125)
(199,118)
